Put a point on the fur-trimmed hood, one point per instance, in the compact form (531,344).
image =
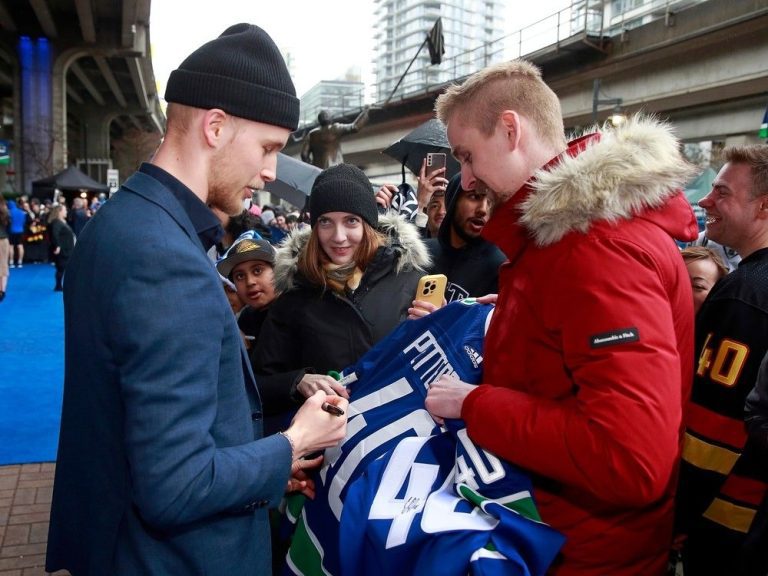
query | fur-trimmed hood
(617,174)
(403,237)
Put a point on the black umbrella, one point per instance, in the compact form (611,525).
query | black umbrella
(294,180)
(412,148)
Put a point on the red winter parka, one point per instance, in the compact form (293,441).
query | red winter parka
(588,359)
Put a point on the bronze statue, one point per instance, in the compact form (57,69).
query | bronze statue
(322,146)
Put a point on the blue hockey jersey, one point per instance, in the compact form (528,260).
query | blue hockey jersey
(388,387)
(422,509)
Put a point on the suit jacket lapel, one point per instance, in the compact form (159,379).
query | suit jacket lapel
(150,189)
(153,191)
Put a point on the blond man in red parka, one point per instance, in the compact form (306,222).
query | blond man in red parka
(588,359)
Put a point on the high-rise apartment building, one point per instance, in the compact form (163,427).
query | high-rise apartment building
(337,97)
(401,26)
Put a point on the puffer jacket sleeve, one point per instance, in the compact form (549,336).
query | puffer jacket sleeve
(617,436)
(277,355)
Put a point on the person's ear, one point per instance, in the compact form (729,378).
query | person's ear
(510,124)
(214,123)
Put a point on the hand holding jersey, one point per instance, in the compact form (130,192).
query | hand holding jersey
(311,383)
(420,308)
(405,476)
(313,429)
(300,481)
(445,398)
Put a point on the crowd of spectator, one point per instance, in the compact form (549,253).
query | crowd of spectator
(41,231)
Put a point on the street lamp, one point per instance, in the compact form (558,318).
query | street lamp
(617,117)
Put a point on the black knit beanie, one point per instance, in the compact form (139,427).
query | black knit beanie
(343,188)
(243,73)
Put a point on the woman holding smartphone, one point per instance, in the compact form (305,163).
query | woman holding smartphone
(345,284)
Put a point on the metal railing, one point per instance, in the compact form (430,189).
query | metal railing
(629,17)
(580,19)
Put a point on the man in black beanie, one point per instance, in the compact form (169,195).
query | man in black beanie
(162,468)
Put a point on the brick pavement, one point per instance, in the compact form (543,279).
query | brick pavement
(25,504)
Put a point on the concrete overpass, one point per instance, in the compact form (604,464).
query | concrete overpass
(74,76)
(704,67)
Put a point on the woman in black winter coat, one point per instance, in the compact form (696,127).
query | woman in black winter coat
(345,284)
(62,241)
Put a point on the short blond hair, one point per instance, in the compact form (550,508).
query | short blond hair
(513,85)
(179,118)
(756,157)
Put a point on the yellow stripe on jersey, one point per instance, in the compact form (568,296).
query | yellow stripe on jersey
(708,456)
(738,518)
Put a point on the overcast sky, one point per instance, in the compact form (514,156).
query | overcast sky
(325,39)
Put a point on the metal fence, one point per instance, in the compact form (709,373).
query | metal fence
(583,19)
(587,19)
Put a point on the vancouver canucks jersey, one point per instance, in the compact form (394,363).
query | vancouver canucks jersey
(388,387)
(424,508)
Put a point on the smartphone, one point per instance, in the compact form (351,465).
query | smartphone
(431,289)
(435,161)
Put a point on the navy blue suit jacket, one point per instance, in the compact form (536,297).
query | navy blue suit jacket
(161,467)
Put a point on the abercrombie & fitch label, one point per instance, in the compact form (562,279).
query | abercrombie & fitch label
(620,336)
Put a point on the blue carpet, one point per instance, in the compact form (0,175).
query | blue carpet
(31,366)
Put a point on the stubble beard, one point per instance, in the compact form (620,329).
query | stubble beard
(716,235)
(224,199)
(223,192)
(461,231)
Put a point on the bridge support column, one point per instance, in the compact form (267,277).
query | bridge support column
(94,136)
(38,134)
